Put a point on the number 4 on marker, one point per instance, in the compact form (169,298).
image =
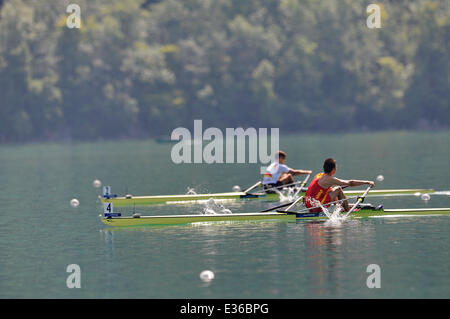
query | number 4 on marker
(108,208)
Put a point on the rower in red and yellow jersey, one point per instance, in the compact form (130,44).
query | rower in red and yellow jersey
(326,188)
(318,193)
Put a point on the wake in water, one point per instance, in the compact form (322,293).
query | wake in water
(441,193)
(213,208)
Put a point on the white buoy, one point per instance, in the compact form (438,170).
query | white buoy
(426,197)
(380,178)
(206,275)
(236,188)
(97,183)
(74,202)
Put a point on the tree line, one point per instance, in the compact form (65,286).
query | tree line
(140,68)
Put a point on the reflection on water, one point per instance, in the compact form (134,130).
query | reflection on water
(321,239)
(108,237)
(259,248)
(327,254)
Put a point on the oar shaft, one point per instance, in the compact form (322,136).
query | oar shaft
(360,199)
(294,203)
(276,207)
(305,181)
(252,187)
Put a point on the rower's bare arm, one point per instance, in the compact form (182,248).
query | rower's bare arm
(330,181)
(299,172)
(353,183)
(333,181)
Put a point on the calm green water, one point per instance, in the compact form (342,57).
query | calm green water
(41,234)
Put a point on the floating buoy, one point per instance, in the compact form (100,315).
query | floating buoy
(97,183)
(236,188)
(74,202)
(206,275)
(426,197)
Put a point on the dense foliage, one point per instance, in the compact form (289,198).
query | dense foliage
(139,68)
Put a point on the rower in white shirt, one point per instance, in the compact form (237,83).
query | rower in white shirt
(278,174)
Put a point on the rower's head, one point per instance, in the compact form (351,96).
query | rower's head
(281,157)
(329,166)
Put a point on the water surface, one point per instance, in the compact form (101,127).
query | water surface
(41,234)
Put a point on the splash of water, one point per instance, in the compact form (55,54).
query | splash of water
(191,191)
(441,193)
(334,214)
(212,208)
(287,194)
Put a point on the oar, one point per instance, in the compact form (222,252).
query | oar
(359,201)
(276,207)
(305,181)
(252,187)
(295,202)
(290,203)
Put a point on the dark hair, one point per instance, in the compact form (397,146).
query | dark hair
(281,154)
(329,165)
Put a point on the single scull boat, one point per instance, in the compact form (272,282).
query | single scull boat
(130,200)
(260,216)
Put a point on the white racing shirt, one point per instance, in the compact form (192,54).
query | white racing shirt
(273,172)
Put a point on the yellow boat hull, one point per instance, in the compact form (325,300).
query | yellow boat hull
(188,219)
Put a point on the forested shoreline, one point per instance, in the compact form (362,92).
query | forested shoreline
(139,68)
